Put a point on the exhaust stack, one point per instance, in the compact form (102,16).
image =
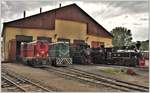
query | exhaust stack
(60,5)
(24,14)
(40,10)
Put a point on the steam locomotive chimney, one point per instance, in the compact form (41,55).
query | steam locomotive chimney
(60,5)
(40,10)
(24,13)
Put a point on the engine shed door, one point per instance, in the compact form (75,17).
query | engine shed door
(45,38)
(78,41)
(64,40)
(12,50)
(19,39)
(96,44)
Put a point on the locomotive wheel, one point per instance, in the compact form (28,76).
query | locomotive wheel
(127,63)
(123,62)
(34,63)
(28,63)
(31,63)
(83,60)
(25,62)
(53,62)
(109,62)
(133,63)
(49,62)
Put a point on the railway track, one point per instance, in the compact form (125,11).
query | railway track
(112,80)
(99,79)
(10,86)
(14,83)
(137,67)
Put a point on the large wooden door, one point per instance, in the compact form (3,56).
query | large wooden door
(12,50)
(63,40)
(19,39)
(44,38)
(96,44)
(78,41)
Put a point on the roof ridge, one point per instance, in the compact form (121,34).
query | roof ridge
(73,4)
(41,13)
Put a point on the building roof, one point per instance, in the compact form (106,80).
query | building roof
(46,20)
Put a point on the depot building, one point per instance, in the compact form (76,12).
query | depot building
(68,23)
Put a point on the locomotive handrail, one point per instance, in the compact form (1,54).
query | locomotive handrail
(58,43)
(33,41)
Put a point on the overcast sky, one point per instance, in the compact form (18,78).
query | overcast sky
(110,14)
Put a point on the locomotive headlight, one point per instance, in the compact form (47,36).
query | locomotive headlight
(59,55)
(42,52)
(37,55)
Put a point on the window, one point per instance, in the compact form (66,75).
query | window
(64,40)
(96,44)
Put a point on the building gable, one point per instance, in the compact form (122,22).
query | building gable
(46,20)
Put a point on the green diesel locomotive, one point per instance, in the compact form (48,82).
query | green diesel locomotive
(59,54)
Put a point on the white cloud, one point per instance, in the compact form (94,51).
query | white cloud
(130,14)
(140,33)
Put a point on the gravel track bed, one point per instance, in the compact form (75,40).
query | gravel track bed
(141,79)
(52,80)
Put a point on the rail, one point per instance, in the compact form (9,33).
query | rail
(98,80)
(25,85)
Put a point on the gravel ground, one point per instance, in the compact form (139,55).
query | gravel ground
(142,77)
(52,80)
(147,63)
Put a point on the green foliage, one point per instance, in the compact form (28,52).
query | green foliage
(112,70)
(122,37)
(138,44)
(144,45)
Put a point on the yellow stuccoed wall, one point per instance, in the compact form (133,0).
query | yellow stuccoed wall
(70,30)
(107,41)
(11,32)
(63,29)
(77,30)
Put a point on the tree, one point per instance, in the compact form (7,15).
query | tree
(138,44)
(122,37)
(144,45)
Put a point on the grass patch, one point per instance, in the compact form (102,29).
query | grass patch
(111,70)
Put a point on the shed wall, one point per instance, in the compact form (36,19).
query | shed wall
(71,30)
(11,32)
(107,41)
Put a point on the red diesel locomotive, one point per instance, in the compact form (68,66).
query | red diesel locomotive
(35,53)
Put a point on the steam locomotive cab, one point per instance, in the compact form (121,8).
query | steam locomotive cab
(116,57)
(79,54)
(124,58)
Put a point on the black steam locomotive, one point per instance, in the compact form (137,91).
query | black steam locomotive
(80,53)
(103,55)
(116,57)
